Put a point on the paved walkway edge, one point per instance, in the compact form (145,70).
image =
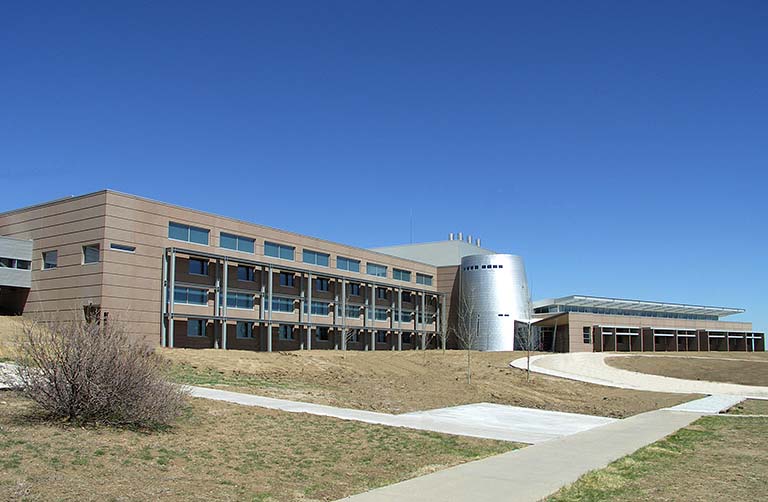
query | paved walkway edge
(533,473)
(591,367)
(536,425)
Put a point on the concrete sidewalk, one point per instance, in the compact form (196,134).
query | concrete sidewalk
(482,420)
(591,367)
(535,472)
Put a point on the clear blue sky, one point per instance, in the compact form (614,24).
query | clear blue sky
(620,147)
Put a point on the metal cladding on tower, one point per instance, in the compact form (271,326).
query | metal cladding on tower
(497,287)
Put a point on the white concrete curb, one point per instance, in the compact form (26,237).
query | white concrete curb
(590,367)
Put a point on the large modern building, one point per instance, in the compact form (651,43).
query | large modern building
(184,278)
(587,323)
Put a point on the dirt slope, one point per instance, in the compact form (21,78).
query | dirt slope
(398,382)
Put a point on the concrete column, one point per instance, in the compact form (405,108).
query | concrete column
(443,320)
(164,301)
(343,314)
(172,294)
(423,311)
(373,340)
(309,311)
(224,307)
(217,299)
(336,308)
(302,316)
(269,299)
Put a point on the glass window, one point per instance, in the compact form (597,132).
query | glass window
(424,279)
(406,295)
(236,242)
(278,250)
(280,304)
(178,231)
(354,336)
(198,235)
(401,275)
(381,336)
(286,279)
(353,311)
(405,316)
(587,331)
(244,329)
(377,270)
(406,338)
(380,314)
(239,300)
(198,266)
(316,258)
(245,273)
(321,333)
(192,296)
(122,247)
(196,327)
(347,264)
(187,233)
(285,332)
(318,308)
(354,289)
(23,264)
(381,293)
(91,253)
(321,285)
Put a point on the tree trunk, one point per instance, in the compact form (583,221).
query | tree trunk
(469,367)
(528,367)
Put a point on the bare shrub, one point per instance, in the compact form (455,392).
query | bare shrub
(87,372)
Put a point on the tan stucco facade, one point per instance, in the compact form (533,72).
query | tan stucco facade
(129,285)
(638,333)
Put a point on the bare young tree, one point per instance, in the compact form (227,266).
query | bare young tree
(467,328)
(527,338)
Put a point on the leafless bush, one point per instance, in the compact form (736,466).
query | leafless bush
(87,372)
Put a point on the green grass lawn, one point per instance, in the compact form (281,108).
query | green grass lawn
(715,458)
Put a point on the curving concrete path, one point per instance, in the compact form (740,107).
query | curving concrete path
(482,420)
(591,367)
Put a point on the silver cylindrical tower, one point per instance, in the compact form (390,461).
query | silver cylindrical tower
(496,287)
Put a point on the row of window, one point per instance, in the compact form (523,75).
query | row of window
(483,267)
(238,300)
(15,263)
(197,235)
(288,279)
(91,253)
(244,329)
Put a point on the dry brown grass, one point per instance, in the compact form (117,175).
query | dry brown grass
(10,329)
(750,407)
(715,458)
(398,382)
(730,368)
(217,452)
